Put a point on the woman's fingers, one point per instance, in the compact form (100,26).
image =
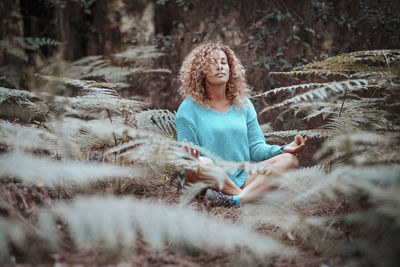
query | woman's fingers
(191,148)
(300,142)
(303,143)
(297,139)
(184,145)
(300,139)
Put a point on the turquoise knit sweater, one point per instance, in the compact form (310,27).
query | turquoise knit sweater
(234,135)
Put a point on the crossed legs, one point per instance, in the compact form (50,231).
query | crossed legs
(255,184)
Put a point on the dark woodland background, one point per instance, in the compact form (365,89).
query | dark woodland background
(267,35)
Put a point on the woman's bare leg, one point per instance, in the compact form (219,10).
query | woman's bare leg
(228,188)
(256,185)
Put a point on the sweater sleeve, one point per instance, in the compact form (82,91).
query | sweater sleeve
(185,123)
(259,149)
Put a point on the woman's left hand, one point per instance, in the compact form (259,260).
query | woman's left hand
(297,145)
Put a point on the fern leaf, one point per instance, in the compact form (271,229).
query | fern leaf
(158,121)
(283,136)
(289,89)
(40,104)
(35,43)
(190,191)
(360,64)
(322,92)
(98,89)
(158,224)
(10,233)
(25,137)
(111,69)
(33,169)
(139,53)
(361,148)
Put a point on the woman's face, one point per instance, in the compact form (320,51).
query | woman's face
(217,72)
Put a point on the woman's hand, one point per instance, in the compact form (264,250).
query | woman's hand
(189,148)
(297,145)
(199,174)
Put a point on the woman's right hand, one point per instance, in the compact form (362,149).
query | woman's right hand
(191,148)
(195,175)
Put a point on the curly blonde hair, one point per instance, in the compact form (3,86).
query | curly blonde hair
(192,75)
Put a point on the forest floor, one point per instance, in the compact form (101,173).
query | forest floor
(26,199)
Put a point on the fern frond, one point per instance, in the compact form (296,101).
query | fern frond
(51,172)
(322,92)
(283,136)
(279,209)
(302,194)
(84,66)
(87,86)
(16,96)
(35,43)
(94,132)
(376,55)
(158,224)
(361,148)
(360,64)
(190,191)
(159,70)
(289,89)
(94,106)
(266,127)
(112,69)
(10,234)
(22,104)
(158,121)
(377,155)
(291,184)
(29,104)
(48,230)
(363,113)
(116,74)
(25,137)
(139,53)
(65,137)
(350,181)
(17,45)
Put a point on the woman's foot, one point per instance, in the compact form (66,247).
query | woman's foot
(220,199)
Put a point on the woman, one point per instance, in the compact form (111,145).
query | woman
(217,115)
